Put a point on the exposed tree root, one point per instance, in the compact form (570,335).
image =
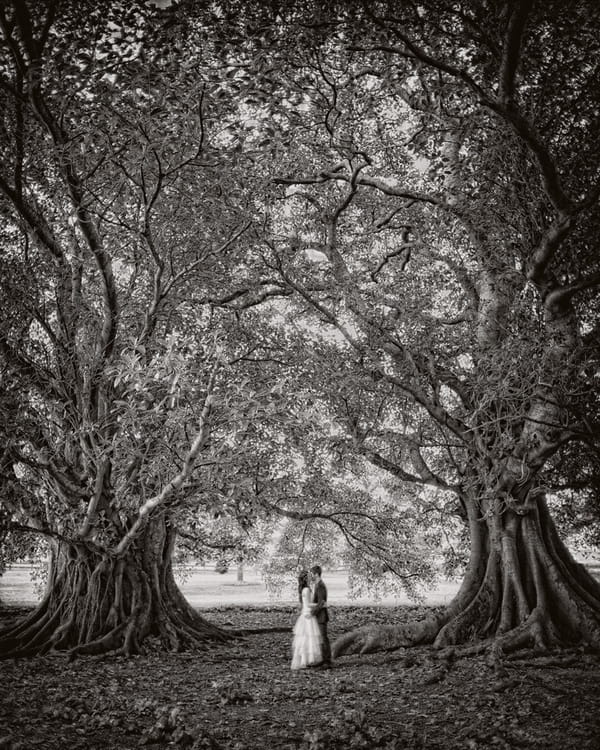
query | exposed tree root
(95,604)
(526,593)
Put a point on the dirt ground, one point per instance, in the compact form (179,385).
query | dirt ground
(243,696)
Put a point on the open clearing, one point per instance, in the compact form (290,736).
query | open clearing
(242,695)
(203,587)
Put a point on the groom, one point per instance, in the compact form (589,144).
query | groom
(320,612)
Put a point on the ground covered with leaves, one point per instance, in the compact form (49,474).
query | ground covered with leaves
(243,696)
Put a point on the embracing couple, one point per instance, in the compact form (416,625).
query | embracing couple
(310,647)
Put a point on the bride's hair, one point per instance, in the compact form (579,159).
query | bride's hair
(302,582)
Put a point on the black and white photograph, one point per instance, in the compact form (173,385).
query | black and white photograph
(300,374)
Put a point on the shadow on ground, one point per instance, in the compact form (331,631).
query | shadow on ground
(242,696)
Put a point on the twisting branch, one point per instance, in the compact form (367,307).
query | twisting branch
(502,103)
(532,139)
(327,314)
(425,476)
(565,293)
(33,67)
(148,508)
(404,251)
(353,539)
(101,475)
(51,534)
(413,51)
(162,290)
(249,296)
(40,378)
(389,344)
(547,246)
(186,271)
(33,220)
(512,52)
(380,184)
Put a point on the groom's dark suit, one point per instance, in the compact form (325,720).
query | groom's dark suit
(320,612)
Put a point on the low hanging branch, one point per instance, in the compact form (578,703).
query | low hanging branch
(157,501)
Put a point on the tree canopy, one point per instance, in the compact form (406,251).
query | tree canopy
(330,264)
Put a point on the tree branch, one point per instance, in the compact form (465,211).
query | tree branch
(380,184)
(148,508)
(512,52)
(565,293)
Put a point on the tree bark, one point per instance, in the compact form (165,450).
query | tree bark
(522,589)
(95,603)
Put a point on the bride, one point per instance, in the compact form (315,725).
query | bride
(306,646)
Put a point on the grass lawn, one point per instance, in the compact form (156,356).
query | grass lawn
(203,587)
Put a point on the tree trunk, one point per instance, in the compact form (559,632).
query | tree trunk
(95,603)
(522,589)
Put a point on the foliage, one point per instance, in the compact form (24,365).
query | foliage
(110,370)
(435,225)
(329,264)
(139,387)
(411,167)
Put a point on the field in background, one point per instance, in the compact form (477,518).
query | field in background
(204,587)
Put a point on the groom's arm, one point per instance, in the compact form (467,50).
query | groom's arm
(320,598)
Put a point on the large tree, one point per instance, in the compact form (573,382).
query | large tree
(438,207)
(422,183)
(135,403)
(118,399)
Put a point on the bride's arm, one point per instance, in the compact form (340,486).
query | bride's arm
(306,601)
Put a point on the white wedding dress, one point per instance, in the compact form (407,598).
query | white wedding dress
(306,646)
